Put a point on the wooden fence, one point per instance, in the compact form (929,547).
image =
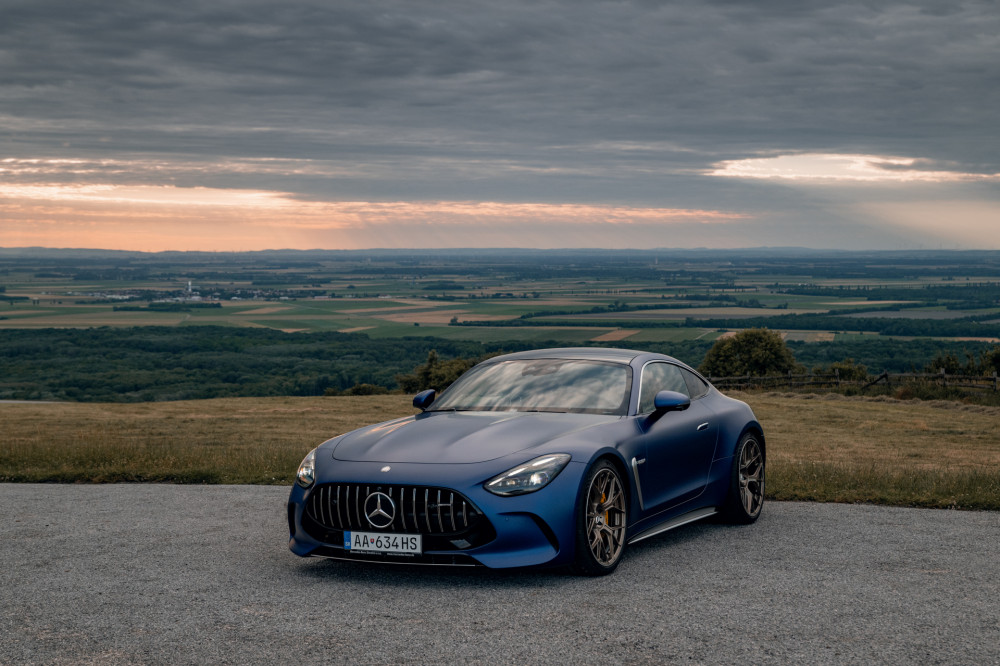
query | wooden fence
(834,381)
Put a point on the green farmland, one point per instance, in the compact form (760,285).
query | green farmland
(562,296)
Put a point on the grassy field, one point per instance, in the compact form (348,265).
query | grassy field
(882,451)
(820,448)
(229,440)
(376,317)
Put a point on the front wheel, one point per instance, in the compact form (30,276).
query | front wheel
(746,485)
(601,521)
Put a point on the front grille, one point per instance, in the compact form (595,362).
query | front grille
(418,509)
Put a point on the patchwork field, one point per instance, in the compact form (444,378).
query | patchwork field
(566,297)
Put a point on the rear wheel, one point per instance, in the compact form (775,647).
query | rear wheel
(601,521)
(746,486)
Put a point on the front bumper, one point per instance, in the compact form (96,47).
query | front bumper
(525,530)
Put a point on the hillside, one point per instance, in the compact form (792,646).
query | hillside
(820,447)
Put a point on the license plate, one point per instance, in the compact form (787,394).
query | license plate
(374,542)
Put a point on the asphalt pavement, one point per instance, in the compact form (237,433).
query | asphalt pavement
(202,574)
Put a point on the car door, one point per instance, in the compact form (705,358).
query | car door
(679,446)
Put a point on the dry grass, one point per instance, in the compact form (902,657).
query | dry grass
(884,451)
(232,440)
(823,448)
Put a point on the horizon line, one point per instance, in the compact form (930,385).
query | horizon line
(396,250)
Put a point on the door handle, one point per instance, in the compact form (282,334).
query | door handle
(703,426)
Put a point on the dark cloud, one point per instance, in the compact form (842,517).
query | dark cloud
(517,100)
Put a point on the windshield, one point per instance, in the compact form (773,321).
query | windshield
(541,385)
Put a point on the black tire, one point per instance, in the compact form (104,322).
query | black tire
(746,485)
(601,520)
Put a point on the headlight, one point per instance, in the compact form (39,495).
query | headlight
(529,477)
(306,475)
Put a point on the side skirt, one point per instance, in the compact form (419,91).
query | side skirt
(674,523)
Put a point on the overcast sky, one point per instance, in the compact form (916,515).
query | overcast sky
(242,125)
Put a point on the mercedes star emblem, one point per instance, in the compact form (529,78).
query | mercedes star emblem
(380,510)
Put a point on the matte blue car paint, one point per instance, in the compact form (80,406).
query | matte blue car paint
(677,466)
(461,437)
(464,450)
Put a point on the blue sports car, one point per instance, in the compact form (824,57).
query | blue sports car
(547,457)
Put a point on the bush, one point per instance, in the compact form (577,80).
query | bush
(756,352)
(989,361)
(360,389)
(848,370)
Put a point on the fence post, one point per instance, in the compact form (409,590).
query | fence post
(836,374)
(994,381)
(944,379)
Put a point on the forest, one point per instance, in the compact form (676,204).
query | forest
(157,363)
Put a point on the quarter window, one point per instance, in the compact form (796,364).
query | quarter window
(696,385)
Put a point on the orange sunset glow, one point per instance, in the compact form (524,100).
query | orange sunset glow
(151,218)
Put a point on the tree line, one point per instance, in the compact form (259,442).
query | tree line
(195,362)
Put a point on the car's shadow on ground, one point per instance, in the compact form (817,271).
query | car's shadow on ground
(419,576)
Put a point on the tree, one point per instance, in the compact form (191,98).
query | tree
(435,373)
(989,361)
(947,362)
(754,351)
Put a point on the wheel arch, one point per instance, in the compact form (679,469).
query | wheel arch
(614,457)
(754,428)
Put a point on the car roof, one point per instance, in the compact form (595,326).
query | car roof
(624,356)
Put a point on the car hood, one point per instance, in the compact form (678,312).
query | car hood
(459,437)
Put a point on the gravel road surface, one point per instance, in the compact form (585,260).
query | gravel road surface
(196,574)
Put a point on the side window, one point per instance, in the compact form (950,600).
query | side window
(696,385)
(658,377)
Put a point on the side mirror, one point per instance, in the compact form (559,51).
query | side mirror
(670,401)
(666,401)
(424,399)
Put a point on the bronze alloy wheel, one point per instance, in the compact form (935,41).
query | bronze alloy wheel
(605,520)
(746,486)
(751,478)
